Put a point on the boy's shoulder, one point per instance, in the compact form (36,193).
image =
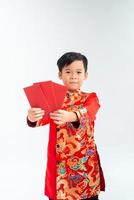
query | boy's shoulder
(90,97)
(89,94)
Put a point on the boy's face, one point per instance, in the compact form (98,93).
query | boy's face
(73,75)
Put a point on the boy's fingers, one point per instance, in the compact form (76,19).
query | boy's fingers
(56,118)
(55,114)
(35,114)
(39,115)
(38,118)
(36,109)
(58,111)
(58,122)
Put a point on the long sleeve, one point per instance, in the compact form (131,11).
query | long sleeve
(89,110)
(31,124)
(92,106)
(41,122)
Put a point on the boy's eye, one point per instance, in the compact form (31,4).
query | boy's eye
(68,72)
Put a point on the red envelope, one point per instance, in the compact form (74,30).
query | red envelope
(54,93)
(47,95)
(60,92)
(48,92)
(36,98)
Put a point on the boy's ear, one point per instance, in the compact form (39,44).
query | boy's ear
(59,75)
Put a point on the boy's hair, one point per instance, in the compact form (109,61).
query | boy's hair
(69,57)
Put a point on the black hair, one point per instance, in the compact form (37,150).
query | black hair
(69,57)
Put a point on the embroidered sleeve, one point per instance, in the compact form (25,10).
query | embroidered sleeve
(90,107)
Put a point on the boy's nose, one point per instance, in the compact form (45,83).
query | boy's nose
(73,76)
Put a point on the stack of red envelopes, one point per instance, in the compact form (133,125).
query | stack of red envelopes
(47,95)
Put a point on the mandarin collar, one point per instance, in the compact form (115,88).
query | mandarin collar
(73,93)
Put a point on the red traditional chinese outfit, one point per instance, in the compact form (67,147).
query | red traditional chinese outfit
(73,166)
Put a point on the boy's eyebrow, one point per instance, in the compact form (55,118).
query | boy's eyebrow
(70,69)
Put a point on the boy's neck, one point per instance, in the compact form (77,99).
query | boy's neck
(73,92)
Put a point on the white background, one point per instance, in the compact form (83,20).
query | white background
(33,35)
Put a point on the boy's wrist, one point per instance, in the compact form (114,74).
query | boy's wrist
(30,123)
(75,123)
(74,117)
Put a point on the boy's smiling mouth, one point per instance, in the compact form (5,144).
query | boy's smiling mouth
(73,82)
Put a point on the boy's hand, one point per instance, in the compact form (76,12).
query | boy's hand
(62,116)
(34,114)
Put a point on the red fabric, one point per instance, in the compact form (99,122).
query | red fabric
(36,98)
(92,106)
(102,180)
(50,179)
(48,91)
(47,95)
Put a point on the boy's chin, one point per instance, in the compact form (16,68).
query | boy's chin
(73,88)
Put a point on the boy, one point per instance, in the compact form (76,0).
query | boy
(73,167)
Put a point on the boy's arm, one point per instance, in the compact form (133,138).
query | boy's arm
(36,117)
(40,122)
(31,124)
(76,116)
(90,108)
